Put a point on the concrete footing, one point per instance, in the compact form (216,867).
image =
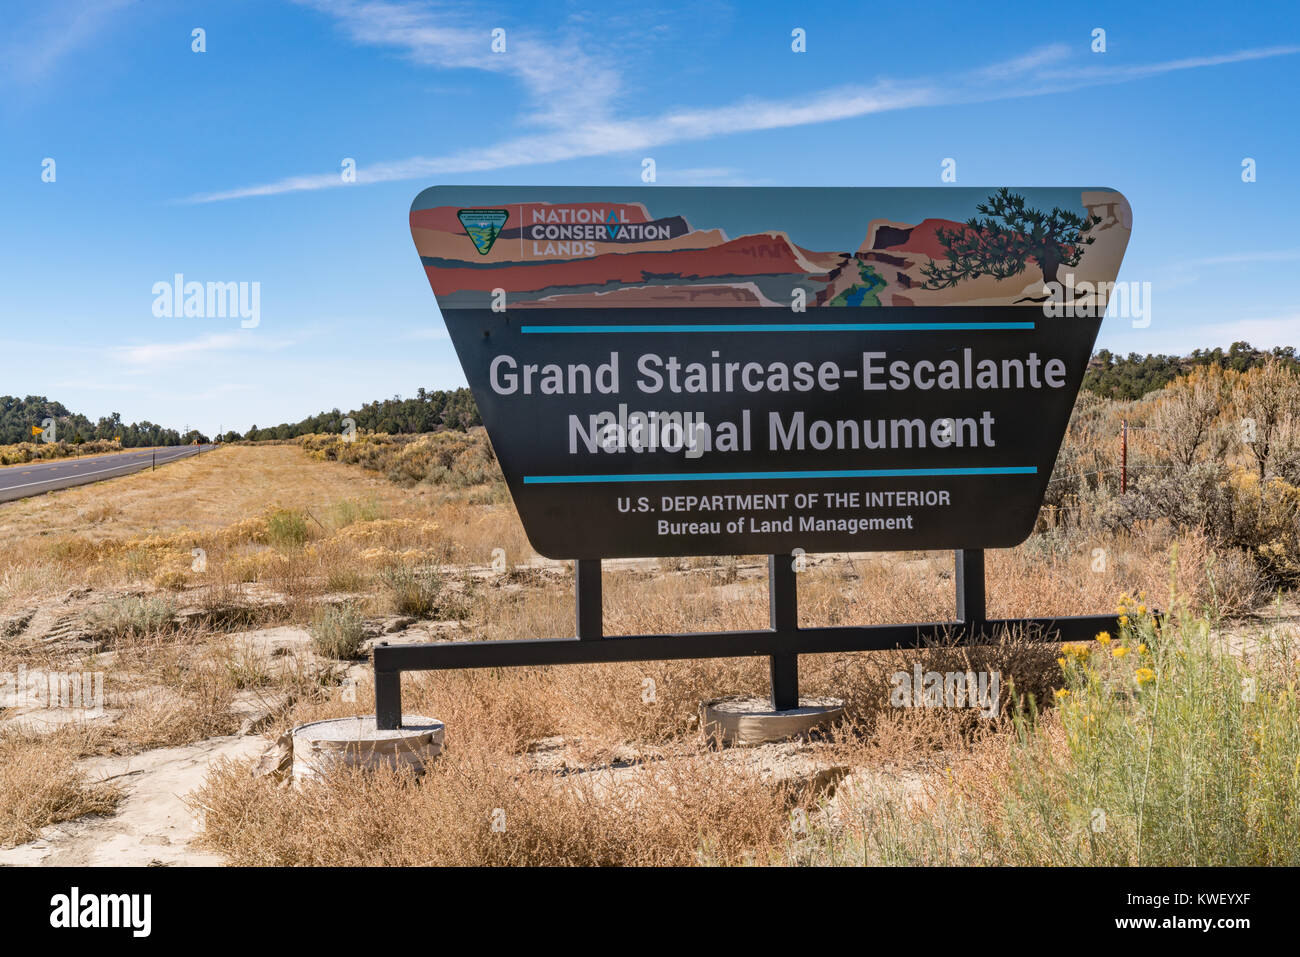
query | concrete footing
(747,721)
(355,742)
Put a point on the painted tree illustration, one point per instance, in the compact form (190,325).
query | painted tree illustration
(1009,235)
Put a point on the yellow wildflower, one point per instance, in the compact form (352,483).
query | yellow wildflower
(1120,651)
(1144,676)
(1103,637)
(1062,693)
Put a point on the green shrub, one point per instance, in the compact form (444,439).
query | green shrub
(286,527)
(450,457)
(351,511)
(1170,751)
(413,592)
(337,632)
(133,617)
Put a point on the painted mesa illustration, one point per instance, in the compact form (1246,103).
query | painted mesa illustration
(565,247)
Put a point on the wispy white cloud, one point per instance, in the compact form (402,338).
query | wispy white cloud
(1107,74)
(1186,272)
(1263,256)
(564,83)
(51,32)
(1018,66)
(579,119)
(599,138)
(157,353)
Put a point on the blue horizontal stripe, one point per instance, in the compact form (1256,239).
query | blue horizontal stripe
(741,476)
(783,327)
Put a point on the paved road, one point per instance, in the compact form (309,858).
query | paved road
(35,478)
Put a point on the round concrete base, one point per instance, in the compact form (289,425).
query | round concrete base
(321,746)
(746,721)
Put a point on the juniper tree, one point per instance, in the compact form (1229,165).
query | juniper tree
(1006,238)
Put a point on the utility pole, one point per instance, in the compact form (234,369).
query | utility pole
(1123,459)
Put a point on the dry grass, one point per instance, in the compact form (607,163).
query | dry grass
(680,803)
(672,814)
(700,812)
(158,517)
(260,514)
(284,538)
(194,704)
(41,785)
(686,805)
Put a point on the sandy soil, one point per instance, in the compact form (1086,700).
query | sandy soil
(152,826)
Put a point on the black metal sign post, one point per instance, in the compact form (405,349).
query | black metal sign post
(783,619)
(782,642)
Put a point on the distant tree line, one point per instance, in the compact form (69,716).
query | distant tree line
(1108,375)
(424,412)
(18,416)
(1119,377)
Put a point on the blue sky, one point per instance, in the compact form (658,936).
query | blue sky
(225,165)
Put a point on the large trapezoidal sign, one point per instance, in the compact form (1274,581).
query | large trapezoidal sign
(694,371)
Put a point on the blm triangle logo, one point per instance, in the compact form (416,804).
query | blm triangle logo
(483,226)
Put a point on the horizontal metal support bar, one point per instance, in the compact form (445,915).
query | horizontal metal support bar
(436,656)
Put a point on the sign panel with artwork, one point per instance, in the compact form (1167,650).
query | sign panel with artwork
(682,371)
